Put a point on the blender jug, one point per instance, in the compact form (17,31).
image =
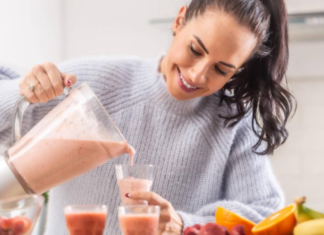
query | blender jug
(75,137)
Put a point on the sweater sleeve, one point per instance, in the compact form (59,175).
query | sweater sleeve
(9,90)
(249,186)
(96,71)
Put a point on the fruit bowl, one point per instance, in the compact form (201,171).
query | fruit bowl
(18,216)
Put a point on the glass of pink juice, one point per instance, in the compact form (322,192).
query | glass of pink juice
(86,219)
(139,219)
(134,178)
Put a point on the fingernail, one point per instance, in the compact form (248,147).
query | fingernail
(69,83)
(128,195)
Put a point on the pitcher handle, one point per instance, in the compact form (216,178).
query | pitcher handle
(19,110)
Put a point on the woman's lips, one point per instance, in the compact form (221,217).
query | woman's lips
(184,85)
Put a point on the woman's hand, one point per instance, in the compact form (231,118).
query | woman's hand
(170,222)
(45,82)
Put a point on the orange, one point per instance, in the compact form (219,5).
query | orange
(279,223)
(229,219)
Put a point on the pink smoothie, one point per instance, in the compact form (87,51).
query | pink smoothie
(45,163)
(129,185)
(139,224)
(86,223)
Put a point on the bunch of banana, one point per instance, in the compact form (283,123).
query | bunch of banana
(304,213)
(310,222)
(311,227)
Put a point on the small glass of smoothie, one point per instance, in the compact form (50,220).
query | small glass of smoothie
(139,219)
(86,219)
(134,178)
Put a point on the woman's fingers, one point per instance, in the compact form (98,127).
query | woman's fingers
(151,197)
(162,227)
(25,91)
(45,83)
(165,216)
(55,77)
(154,199)
(32,89)
(170,222)
(69,79)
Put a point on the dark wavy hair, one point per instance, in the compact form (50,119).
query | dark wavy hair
(257,88)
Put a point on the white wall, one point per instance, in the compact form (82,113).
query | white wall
(298,6)
(117,28)
(298,164)
(31,32)
(306,59)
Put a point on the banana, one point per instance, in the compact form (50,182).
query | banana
(311,227)
(304,213)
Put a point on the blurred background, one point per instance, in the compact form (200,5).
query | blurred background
(35,31)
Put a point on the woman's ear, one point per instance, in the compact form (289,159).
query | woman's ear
(179,21)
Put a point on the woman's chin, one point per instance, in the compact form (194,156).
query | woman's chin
(178,95)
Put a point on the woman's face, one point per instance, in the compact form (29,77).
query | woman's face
(205,53)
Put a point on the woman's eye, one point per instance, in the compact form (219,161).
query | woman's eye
(220,71)
(194,51)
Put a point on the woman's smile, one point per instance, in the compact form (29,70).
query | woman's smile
(184,84)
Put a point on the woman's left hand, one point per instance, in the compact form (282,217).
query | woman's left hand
(170,222)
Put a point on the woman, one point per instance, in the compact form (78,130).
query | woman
(205,114)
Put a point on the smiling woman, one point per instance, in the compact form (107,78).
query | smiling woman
(225,38)
(204,62)
(201,114)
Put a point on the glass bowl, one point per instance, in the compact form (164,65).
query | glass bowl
(19,215)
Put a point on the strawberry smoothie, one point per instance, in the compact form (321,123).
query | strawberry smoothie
(131,184)
(87,223)
(140,224)
(46,163)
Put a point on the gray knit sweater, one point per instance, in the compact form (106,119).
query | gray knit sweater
(200,164)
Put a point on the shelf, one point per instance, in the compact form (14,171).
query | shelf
(311,18)
(306,26)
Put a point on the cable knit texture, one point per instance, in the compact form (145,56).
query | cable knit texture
(200,164)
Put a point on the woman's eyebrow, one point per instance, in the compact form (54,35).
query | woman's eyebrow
(226,64)
(205,49)
(201,44)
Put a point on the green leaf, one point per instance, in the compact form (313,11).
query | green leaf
(46,197)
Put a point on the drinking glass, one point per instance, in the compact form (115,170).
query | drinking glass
(134,178)
(86,219)
(139,219)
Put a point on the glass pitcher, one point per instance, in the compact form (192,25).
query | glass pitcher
(75,137)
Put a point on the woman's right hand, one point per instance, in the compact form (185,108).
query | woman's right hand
(44,82)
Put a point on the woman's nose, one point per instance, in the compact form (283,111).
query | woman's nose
(198,73)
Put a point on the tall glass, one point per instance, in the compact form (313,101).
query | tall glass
(134,178)
(139,219)
(86,219)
